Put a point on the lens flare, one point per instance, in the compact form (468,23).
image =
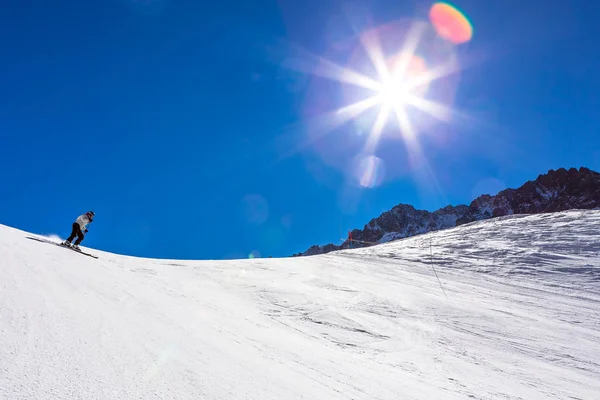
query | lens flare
(450,23)
(410,65)
(369,171)
(254,254)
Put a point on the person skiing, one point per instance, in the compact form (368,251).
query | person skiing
(79,229)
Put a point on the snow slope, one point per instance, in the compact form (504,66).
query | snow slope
(521,319)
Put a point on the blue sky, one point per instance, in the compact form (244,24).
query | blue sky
(189,128)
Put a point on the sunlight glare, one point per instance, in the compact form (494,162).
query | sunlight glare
(388,85)
(394,93)
(406,80)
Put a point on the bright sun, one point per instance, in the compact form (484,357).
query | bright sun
(395,85)
(398,87)
(394,93)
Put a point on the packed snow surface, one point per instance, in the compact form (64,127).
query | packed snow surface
(517,317)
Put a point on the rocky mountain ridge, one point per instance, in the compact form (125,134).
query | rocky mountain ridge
(558,190)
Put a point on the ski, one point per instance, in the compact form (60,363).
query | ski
(77,251)
(62,245)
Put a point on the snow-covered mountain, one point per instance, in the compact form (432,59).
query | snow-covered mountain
(514,315)
(558,190)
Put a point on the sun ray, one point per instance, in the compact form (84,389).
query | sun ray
(410,46)
(434,74)
(324,123)
(320,66)
(406,129)
(416,158)
(372,46)
(433,108)
(355,109)
(375,135)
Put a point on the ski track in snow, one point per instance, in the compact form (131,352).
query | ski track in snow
(521,319)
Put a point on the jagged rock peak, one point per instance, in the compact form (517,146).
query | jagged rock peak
(558,190)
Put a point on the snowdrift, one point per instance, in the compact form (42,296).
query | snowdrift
(517,317)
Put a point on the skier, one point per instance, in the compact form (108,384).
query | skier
(79,229)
